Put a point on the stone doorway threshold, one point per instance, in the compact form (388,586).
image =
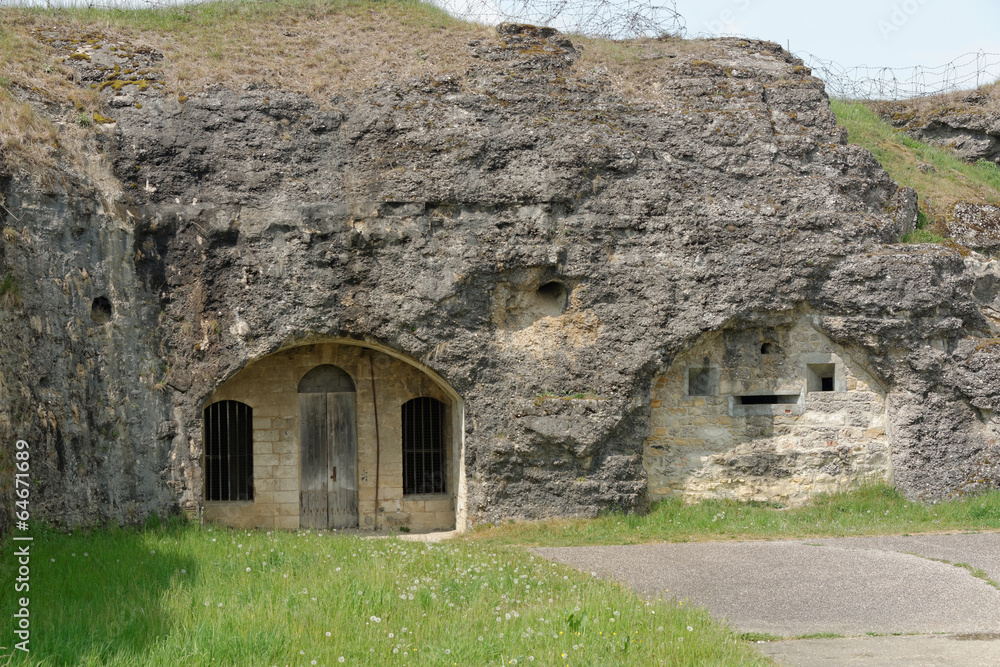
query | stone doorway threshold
(434,536)
(439,536)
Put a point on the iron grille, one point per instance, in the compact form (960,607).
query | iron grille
(423,446)
(228,451)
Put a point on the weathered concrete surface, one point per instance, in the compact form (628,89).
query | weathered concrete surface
(796,587)
(978,550)
(430,216)
(907,651)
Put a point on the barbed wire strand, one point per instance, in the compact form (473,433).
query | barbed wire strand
(864,82)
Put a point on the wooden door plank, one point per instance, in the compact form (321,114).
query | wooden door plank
(314,461)
(341,415)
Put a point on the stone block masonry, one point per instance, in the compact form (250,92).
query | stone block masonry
(770,414)
(269,387)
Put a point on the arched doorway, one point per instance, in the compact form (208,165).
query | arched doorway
(329,449)
(311,404)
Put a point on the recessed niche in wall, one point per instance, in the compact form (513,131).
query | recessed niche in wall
(100,310)
(703,381)
(765,404)
(524,300)
(768,399)
(768,347)
(820,377)
(551,298)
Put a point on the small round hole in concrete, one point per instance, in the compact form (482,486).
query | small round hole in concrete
(767,348)
(100,310)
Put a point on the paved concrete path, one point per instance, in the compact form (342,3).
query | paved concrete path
(848,586)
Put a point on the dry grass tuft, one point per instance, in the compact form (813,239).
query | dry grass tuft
(636,67)
(983,102)
(317,47)
(44,113)
(25,137)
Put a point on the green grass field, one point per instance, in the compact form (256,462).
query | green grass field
(184,595)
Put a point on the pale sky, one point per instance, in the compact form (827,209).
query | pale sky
(887,33)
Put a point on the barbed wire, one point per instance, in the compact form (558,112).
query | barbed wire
(865,82)
(611,19)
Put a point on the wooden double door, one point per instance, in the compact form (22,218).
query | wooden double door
(329,449)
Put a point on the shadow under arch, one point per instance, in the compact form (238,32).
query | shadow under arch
(385,379)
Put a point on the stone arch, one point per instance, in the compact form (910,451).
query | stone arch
(382,379)
(326,378)
(728,421)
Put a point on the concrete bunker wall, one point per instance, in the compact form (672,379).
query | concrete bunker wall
(270,386)
(765,414)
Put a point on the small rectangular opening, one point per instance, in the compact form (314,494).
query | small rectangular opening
(768,399)
(820,377)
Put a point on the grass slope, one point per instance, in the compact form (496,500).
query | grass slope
(877,509)
(940,179)
(183,595)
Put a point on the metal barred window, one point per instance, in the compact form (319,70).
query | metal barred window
(228,451)
(423,446)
